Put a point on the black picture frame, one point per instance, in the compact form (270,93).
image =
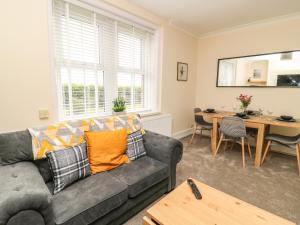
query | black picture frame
(245,56)
(182,75)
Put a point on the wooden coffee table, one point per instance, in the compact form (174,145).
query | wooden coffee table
(215,208)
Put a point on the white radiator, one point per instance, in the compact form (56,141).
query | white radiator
(161,124)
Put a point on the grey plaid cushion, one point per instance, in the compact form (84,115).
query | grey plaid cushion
(68,165)
(135,145)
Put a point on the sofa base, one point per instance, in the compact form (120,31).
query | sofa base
(133,206)
(26,217)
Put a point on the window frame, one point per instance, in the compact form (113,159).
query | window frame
(133,72)
(151,97)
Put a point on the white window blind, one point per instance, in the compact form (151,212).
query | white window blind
(98,58)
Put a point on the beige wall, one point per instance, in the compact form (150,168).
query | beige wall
(273,37)
(26,81)
(178,97)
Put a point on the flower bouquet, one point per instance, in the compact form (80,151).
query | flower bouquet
(245,101)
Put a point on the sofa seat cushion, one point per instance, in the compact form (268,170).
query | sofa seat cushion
(141,174)
(89,199)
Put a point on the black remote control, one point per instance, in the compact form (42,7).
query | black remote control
(194,188)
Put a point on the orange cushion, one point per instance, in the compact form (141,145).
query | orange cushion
(106,149)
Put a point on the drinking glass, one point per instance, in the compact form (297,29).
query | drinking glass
(261,111)
(270,112)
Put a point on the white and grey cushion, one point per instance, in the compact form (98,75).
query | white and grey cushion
(68,165)
(135,145)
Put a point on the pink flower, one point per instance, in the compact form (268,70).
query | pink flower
(245,99)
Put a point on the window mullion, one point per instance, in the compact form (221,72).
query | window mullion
(132,92)
(84,73)
(68,60)
(147,74)
(132,66)
(85,91)
(114,80)
(96,54)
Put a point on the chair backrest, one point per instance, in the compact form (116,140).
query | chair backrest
(198,118)
(196,110)
(298,138)
(233,127)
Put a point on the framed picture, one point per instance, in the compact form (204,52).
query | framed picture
(257,73)
(182,71)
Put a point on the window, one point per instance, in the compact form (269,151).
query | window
(132,45)
(227,76)
(98,58)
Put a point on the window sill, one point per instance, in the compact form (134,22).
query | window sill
(143,114)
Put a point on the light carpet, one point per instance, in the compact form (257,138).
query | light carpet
(275,186)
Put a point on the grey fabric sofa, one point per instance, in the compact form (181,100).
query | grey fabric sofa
(110,197)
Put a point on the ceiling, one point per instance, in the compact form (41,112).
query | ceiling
(201,17)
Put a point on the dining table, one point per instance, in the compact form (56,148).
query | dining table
(260,122)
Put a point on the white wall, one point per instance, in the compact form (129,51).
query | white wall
(26,81)
(283,67)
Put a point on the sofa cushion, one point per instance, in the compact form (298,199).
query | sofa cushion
(57,136)
(131,122)
(106,149)
(135,145)
(15,147)
(44,168)
(141,174)
(68,166)
(89,199)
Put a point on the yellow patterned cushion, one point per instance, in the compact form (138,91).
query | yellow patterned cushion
(57,136)
(131,122)
(70,133)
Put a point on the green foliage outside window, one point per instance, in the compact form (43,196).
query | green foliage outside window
(79,108)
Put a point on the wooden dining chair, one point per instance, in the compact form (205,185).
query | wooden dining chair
(289,141)
(233,129)
(200,124)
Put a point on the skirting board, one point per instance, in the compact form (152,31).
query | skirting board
(182,133)
(187,132)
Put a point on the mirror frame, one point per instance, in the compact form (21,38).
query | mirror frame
(245,56)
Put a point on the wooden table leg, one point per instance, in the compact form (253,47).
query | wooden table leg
(214,137)
(259,145)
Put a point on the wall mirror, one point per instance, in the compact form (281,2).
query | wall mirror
(281,69)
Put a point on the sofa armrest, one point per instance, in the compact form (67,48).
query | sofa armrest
(164,149)
(23,190)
